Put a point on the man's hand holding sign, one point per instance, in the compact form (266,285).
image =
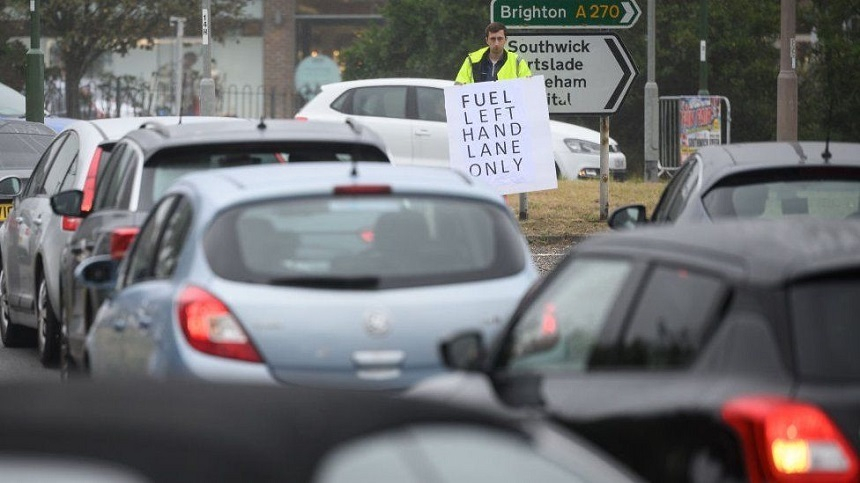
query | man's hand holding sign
(498,132)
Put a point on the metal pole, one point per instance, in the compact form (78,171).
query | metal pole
(524,206)
(35,84)
(207,84)
(177,59)
(703,49)
(652,109)
(786,81)
(604,168)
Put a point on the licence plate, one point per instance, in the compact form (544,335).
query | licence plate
(4,210)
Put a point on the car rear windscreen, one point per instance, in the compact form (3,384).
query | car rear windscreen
(165,167)
(20,151)
(364,242)
(827,333)
(819,192)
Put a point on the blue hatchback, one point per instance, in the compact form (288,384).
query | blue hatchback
(341,274)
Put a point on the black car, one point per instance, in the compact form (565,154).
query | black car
(21,145)
(182,432)
(146,161)
(757,180)
(692,353)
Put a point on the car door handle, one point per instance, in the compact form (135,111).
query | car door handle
(19,219)
(81,248)
(422,132)
(37,220)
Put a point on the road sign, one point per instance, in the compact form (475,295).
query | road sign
(584,73)
(577,14)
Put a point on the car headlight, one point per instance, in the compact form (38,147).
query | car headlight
(580,146)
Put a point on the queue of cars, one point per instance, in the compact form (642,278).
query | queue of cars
(717,351)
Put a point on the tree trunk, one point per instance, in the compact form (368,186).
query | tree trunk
(73,90)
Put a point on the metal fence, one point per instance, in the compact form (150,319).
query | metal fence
(126,97)
(672,132)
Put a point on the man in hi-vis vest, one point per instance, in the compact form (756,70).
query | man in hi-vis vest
(493,62)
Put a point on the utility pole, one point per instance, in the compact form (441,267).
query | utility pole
(703,48)
(786,81)
(177,63)
(35,69)
(652,108)
(207,84)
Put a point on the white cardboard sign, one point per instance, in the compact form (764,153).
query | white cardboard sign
(498,133)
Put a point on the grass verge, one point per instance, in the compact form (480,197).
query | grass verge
(560,217)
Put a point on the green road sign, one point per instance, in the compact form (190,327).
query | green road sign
(578,14)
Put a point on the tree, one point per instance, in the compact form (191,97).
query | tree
(828,98)
(12,54)
(86,29)
(420,38)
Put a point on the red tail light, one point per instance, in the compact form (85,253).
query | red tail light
(301,118)
(90,182)
(549,323)
(120,241)
(210,327)
(789,441)
(70,223)
(365,189)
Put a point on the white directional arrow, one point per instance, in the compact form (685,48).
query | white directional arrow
(629,11)
(583,74)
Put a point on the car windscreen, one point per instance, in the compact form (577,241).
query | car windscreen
(820,192)
(824,316)
(364,242)
(166,166)
(22,151)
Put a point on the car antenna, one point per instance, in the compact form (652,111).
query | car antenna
(262,124)
(826,155)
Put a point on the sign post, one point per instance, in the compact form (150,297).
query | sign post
(577,14)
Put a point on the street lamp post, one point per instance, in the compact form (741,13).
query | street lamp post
(786,81)
(652,108)
(703,49)
(207,84)
(177,69)
(35,69)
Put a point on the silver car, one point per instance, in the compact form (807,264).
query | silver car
(335,274)
(32,239)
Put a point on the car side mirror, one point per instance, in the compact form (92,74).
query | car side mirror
(98,272)
(464,351)
(627,217)
(68,203)
(10,186)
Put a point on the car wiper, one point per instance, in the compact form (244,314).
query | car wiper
(338,283)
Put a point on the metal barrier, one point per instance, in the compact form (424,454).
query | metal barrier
(121,97)
(675,139)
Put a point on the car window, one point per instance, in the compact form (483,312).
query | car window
(670,320)
(780,194)
(164,167)
(107,171)
(171,243)
(141,260)
(109,186)
(388,101)
(824,317)
(392,241)
(37,179)
(60,168)
(431,104)
(562,328)
(674,197)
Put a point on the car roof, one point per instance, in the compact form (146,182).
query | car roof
(22,144)
(157,136)
(760,251)
(229,186)
(112,129)
(721,160)
(388,81)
